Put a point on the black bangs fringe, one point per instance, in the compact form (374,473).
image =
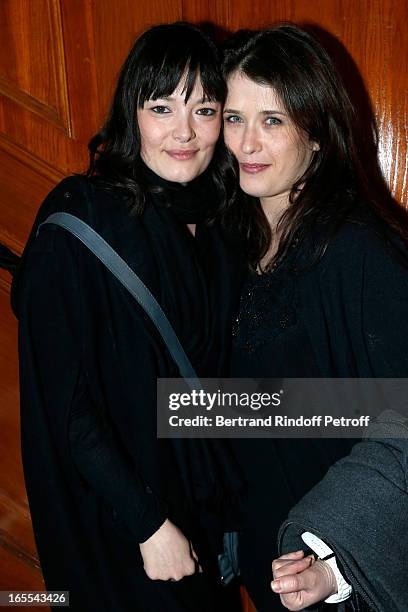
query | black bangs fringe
(160,59)
(162,83)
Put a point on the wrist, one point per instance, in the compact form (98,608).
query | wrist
(326,554)
(329,578)
(158,529)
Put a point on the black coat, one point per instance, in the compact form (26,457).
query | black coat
(83,341)
(345,317)
(357,301)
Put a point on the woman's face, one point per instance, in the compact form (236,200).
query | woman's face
(177,137)
(271,153)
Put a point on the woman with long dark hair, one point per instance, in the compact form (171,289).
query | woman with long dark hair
(122,520)
(325,263)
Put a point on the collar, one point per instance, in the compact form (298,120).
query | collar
(192,202)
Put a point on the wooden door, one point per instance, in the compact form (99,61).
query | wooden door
(58,62)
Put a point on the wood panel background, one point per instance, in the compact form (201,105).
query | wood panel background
(58,64)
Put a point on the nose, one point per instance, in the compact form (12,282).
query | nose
(250,142)
(183,130)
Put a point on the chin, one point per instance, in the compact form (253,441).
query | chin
(181,174)
(255,191)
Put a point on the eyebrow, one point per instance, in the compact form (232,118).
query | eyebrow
(172,99)
(265,112)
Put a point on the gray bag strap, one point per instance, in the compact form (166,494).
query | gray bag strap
(119,268)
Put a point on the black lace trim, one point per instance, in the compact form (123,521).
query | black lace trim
(268,307)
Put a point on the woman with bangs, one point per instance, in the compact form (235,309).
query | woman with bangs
(122,520)
(326,296)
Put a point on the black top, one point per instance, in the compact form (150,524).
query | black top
(269,330)
(346,309)
(272,338)
(87,350)
(344,317)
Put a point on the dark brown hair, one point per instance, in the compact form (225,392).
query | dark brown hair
(293,62)
(158,60)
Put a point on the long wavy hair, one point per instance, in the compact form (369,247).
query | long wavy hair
(293,62)
(158,60)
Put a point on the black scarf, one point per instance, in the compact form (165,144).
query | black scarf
(192,202)
(209,471)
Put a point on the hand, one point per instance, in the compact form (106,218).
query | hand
(168,555)
(302,581)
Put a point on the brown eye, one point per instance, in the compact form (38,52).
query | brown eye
(160,110)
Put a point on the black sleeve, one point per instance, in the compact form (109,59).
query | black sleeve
(108,471)
(51,352)
(384,307)
(349,508)
(384,304)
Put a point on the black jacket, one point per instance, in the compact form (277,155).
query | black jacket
(345,317)
(356,303)
(85,344)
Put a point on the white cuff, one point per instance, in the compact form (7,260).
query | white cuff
(344,589)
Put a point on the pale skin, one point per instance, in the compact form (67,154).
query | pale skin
(168,555)
(178,139)
(172,127)
(301,581)
(273,155)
